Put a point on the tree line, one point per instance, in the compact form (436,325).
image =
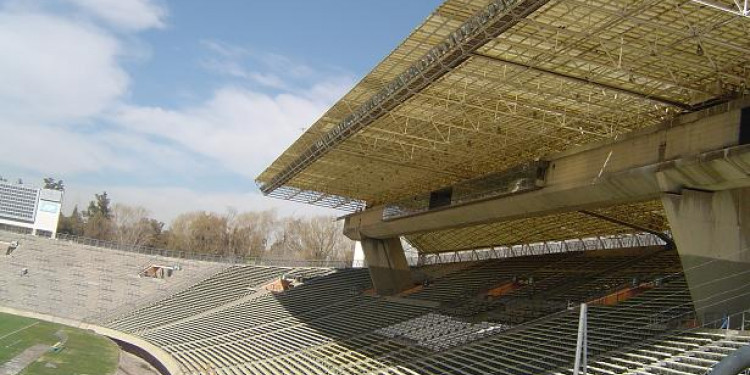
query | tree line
(243,234)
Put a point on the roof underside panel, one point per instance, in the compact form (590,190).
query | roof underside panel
(572,72)
(560,74)
(648,215)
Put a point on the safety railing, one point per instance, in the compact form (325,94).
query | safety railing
(149,250)
(187,255)
(495,252)
(622,241)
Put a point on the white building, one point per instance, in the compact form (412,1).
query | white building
(30,209)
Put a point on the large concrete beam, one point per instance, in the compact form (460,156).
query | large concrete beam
(702,150)
(712,233)
(387,263)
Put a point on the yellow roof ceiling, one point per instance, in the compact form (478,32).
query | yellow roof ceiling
(516,87)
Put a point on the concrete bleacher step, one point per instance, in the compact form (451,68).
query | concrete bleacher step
(695,360)
(325,328)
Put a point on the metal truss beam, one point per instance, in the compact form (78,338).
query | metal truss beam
(575,79)
(493,20)
(661,235)
(741,8)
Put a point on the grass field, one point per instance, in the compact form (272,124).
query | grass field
(83,353)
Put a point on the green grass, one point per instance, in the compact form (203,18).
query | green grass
(84,352)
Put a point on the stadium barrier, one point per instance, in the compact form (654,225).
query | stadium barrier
(187,255)
(622,241)
(149,250)
(232,259)
(495,252)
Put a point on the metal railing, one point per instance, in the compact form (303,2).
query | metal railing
(232,259)
(495,252)
(187,255)
(150,250)
(280,262)
(622,241)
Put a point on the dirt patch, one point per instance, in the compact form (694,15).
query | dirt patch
(132,365)
(19,362)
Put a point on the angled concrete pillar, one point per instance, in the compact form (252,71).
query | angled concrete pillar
(387,264)
(712,234)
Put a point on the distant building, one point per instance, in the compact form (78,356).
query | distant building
(30,209)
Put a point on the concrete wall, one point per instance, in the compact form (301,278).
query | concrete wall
(712,233)
(387,263)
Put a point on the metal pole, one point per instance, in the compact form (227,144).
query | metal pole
(729,317)
(585,350)
(581,345)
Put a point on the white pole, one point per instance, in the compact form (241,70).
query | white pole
(581,344)
(585,348)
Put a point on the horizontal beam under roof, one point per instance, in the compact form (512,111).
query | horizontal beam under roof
(703,150)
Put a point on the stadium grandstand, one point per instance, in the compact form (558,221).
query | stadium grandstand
(574,175)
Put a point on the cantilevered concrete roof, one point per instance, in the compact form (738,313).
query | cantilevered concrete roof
(482,86)
(485,86)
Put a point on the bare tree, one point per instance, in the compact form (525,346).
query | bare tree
(316,238)
(251,233)
(203,232)
(260,234)
(131,225)
(180,237)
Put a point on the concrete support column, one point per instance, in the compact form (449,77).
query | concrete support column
(712,234)
(387,264)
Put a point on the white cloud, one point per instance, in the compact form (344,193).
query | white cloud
(64,112)
(56,74)
(52,151)
(165,203)
(131,15)
(237,70)
(284,64)
(242,129)
(225,49)
(234,61)
(55,70)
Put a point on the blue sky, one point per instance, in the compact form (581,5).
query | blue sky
(178,105)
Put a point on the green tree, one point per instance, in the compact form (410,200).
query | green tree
(99,218)
(73,224)
(51,183)
(98,227)
(99,206)
(160,236)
